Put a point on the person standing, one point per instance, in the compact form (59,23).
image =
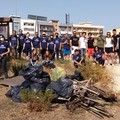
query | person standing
(66,47)
(109,48)
(43,44)
(51,46)
(74,42)
(27,46)
(21,38)
(90,45)
(14,43)
(36,43)
(57,45)
(116,40)
(4,51)
(100,41)
(83,46)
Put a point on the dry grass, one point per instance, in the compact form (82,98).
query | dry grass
(16,65)
(96,72)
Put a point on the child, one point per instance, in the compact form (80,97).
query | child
(34,59)
(98,57)
(47,62)
(77,58)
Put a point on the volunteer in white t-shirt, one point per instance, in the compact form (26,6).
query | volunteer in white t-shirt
(83,45)
(109,49)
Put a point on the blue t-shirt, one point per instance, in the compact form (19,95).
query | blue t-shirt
(66,46)
(4,46)
(27,42)
(51,44)
(44,42)
(36,42)
(13,39)
(21,38)
(76,57)
(97,55)
(57,43)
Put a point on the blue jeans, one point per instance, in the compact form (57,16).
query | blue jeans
(83,52)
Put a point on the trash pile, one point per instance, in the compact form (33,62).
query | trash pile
(73,90)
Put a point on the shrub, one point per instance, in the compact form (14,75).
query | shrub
(96,72)
(16,66)
(37,102)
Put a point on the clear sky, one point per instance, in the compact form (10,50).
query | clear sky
(99,12)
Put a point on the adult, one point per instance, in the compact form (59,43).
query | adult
(109,48)
(51,46)
(21,38)
(66,47)
(36,43)
(116,40)
(83,46)
(27,46)
(100,40)
(14,43)
(4,50)
(74,42)
(57,45)
(43,44)
(90,45)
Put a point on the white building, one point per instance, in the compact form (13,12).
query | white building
(52,26)
(28,26)
(87,27)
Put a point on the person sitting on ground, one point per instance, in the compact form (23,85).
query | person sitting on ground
(77,58)
(98,57)
(34,59)
(48,63)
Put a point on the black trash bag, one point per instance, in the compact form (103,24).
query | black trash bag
(63,87)
(26,84)
(28,72)
(42,78)
(36,87)
(76,76)
(14,93)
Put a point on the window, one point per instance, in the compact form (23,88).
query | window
(28,24)
(29,29)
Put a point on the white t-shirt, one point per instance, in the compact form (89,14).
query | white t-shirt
(108,42)
(83,42)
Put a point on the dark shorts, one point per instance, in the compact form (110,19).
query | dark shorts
(109,50)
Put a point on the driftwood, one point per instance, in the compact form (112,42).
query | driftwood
(90,98)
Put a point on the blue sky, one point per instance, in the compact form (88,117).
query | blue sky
(99,12)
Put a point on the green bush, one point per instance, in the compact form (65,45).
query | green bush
(37,102)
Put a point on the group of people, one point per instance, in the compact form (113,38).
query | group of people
(67,47)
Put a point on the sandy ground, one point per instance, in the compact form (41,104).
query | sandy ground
(17,111)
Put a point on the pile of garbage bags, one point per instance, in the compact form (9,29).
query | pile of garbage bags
(36,79)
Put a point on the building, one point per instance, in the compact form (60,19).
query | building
(16,25)
(65,28)
(41,24)
(45,26)
(87,27)
(28,25)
